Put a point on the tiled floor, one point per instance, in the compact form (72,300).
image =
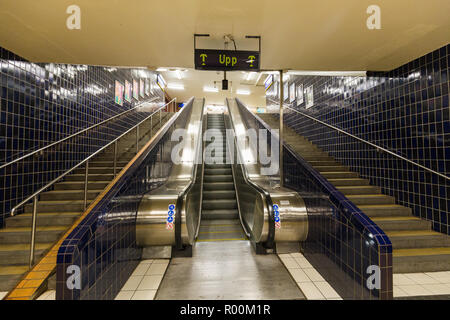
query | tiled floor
(421,284)
(310,282)
(3,294)
(48,295)
(145,280)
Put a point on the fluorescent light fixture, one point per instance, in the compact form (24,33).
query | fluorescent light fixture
(240,91)
(178,73)
(175,86)
(161,69)
(327,73)
(210,89)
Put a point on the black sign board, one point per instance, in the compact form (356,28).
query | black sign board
(226,60)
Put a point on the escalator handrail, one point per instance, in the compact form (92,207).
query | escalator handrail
(269,203)
(183,193)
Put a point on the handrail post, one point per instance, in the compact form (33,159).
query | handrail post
(115,158)
(137,139)
(281,128)
(86,175)
(33,231)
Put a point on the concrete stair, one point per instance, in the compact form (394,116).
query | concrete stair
(220,216)
(59,208)
(416,248)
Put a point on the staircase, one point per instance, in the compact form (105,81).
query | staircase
(220,217)
(416,247)
(59,208)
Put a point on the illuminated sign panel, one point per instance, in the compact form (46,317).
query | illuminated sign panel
(226,60)
(268,82)
(161,82)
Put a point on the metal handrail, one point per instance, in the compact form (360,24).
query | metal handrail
(35,195)
(74,135)
(370,144)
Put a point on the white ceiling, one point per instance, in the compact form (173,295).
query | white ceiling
(296,34)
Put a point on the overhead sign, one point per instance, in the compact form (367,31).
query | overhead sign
(226,60)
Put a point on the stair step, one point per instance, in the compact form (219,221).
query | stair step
(349,182)
(218,171)
(385,210)
(323,163)
(23,234)
(10,275)
(219,194)
(92,177)
(368,199)
(398,223)
(97,170)
(218,178)
(331,168)
(408,239)
(95,163)
(218,186)
(43,219)
(219,214)
(217,166)
(69,195)
(340,175)
(219,204)
(79,185)
(19,253)
(359,190)
(57,206)
(421,260)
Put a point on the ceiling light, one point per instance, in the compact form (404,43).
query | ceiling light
(161,69)
(175,86)
(210,89)
(240,91)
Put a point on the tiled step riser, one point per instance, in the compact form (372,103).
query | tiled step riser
(25,237)
(420,242)
(414,264)
(7,282)
(18,257)
(66,196)
(92,177)
(404,225)
(79,185)
(340,175)
(332,169)
(348,182)
(97,170)
(382,212)
(372,200)
(42,220)
(108,164)
(56,207)
(359,190)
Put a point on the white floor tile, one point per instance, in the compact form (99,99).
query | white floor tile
(441,276)
(437,288)
(421,278)
(150,283)
(51,295)
(398,292)
(401,279)
(284,255)
(313,275)
(141,269)
(326,289)
(297,255)
(290,263)
(299,275)
(156,269)
(310,291)
(415,290)
(125,295)
(147,261)
(144,295)
(3,294)
(303,263)
(132,283)
(161,261)
(43,296)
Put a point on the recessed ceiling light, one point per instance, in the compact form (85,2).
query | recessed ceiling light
(210,89)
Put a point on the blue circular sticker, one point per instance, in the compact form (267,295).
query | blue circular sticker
(169,219)
(275,207)
(171,207)
(277,214)
(171,213)
(277,219)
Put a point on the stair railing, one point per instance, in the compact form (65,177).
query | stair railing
(36,194)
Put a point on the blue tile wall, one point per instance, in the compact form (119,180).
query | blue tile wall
(43,103)
(405,110)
